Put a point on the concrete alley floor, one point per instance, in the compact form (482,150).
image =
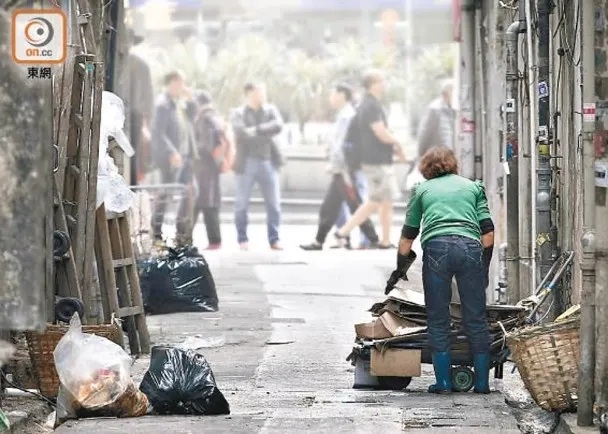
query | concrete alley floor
(287,318)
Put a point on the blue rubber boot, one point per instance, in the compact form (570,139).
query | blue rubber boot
(443,377)
(481,364)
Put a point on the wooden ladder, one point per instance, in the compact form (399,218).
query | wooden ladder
(76,180)
(118,275)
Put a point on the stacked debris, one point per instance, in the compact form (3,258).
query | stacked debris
(396,343)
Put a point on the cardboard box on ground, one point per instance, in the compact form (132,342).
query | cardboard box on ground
(395,362)
(391,362)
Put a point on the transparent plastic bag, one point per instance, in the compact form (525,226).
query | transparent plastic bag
(95,377)
(115,192)
(112,124)
(112,189)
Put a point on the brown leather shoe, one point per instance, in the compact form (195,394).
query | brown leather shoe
(276,246)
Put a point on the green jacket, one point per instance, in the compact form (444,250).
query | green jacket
(447,205)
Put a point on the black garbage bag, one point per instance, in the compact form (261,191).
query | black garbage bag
(182,382)
(178,281)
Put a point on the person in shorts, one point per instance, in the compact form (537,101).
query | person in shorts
(379,146)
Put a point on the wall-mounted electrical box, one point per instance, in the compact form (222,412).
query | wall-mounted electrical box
(601,174)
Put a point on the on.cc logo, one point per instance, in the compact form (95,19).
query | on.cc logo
(39,32)
(39,36)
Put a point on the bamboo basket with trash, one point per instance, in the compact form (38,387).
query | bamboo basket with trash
(547,355)
(42,345)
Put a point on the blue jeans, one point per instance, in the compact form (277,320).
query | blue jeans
(361,186)
(443,258)
(267,177)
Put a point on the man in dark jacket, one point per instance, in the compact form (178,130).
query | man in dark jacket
(209,134)
(256,125)
(141,104)
(172,140)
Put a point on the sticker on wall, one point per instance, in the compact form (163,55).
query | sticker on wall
(510,106)
(467,126)
(589,112)
(543,89)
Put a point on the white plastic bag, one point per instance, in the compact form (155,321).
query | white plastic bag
(112,189)
(112,123)
(414,178)
(95,378)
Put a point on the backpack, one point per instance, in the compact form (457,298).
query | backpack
(225,149)
(352,147)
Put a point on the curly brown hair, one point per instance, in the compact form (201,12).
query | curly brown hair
(438,161)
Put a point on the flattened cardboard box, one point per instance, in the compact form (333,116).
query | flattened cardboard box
(398,326)
(395,362)
(372,330)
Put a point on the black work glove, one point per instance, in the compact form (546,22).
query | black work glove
(404,262)
(486,259)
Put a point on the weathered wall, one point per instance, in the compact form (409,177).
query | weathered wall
(601,136)
(566,104)
(25,167)
(491,94)
(566,95)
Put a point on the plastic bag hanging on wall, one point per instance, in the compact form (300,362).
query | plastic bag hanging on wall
(112,189)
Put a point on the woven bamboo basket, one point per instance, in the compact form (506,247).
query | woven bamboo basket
(547,358)
(42,345)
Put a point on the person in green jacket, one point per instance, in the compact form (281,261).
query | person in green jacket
(457,241)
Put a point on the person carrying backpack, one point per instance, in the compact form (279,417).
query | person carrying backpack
(216,155)
(376,150)
(341,187)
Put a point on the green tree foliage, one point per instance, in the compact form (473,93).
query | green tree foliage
(299,83)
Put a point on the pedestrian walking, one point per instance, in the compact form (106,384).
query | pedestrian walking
(258,159)
(141,103)
(360,184)
(343,183)
(457,241)
(215,156)
(172,140)
(377,148)
(437,127)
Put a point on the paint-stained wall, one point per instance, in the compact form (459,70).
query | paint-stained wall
(25,175)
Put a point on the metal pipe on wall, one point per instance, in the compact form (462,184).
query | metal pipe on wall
(480,103)
(544,239)
(587,261)
(511,159)
(532,88)
(525,211)
(468,127)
